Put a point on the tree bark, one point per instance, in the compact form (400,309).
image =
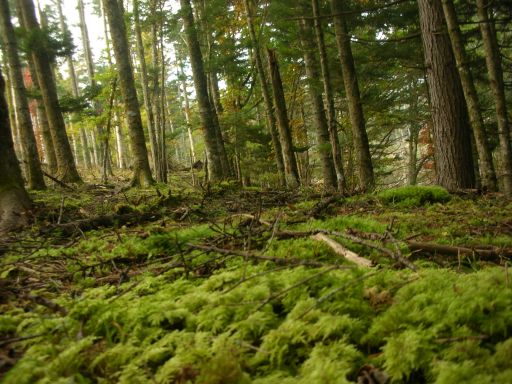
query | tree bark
(32,165)
(290,162)
(355,108)
(207,113)
(66,169)
(142,173)
(495,70)
(451,131)
(14,200)
(486,167)
(315,95)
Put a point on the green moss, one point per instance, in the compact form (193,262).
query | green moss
(414,196)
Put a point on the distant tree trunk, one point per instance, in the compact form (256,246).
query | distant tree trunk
(187,111)
(33,170)
(486,167)
(145,85)
(495,70)
(290,162)
(355,108)
(216,170)
(66,169)
(14,200)
(451,132)
(142,173)
(265,91)
(315,94)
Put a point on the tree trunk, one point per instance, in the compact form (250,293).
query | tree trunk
(66,169)
(187,112)
(267,98)
(207,114)
(315,93)
(14,200)
(329,97)
(486,167)
(32,164)
(355,108)
(451,131)
(145,85)
(290,162)
(142,173)
(495,70)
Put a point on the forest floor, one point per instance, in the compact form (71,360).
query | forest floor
(241,285)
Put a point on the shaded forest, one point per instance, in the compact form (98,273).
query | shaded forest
(309,191)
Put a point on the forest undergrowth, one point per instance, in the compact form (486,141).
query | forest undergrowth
(230,285)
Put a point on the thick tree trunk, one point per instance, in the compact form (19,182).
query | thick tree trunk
(265,91)
(451,131)
(329,97)
(32,165)
(66,169)
(290,162)
(315,93)
(14,200)
(495,70)
(216,170)
(142,173)
(486,167)
(355,108)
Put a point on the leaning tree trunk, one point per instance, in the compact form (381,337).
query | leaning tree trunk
(315,94)
(142,173)
(14,200)
(267,97)
(216,170)
(355,108)
(494,67)
(451,131)
(290,162)
(66,169)
(486,167)
(33,170)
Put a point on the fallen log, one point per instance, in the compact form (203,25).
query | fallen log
(484,252)
(68,229)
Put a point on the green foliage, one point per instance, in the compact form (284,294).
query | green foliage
(414,196)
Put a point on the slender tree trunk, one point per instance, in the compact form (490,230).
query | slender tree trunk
(85,148)
(290,162)
(142,172)
(187,113)
(66,169)
(329,97)
(495,70)
(216,170)
(486,167)
(32,164)
(315,95)
(265,91)
(451,131)
(14,200)
(355,108)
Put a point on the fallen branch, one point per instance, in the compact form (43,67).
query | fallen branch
(61,183)
(342,251)
(492,253)
(250,255)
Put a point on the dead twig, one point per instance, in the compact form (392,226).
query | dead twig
(342,251)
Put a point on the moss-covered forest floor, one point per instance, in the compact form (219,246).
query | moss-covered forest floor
(229,285)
